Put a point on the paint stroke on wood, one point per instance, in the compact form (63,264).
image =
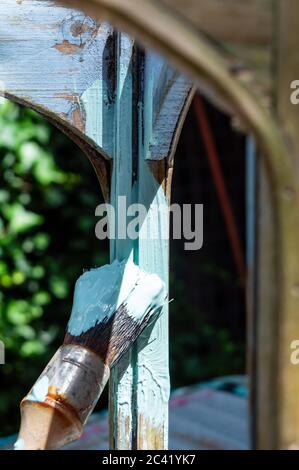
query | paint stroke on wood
(146,87)
(247,54)
(277,402)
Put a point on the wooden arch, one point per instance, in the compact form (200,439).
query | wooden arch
(163,26)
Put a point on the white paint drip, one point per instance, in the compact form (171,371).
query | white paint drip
(39,391)
(149,294)
(19,445)
(99,292)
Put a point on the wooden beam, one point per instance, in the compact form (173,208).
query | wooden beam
(237,21)
(191,53)
(151,99)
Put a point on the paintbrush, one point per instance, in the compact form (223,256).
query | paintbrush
(112,306)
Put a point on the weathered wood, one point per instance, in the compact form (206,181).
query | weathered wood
(200,419)
(190,52)
(154,24)
(49,57)
(236,21)
(263,330)
(122,105)
(151,99)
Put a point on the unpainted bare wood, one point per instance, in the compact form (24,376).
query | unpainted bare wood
(277,397)
(264,316)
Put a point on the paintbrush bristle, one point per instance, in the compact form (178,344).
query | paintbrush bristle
(134,300)
(112,306)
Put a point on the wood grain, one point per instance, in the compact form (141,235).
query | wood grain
(277,400)
(250,59)
(151,101)
(49,57)
(84,78)
(237,21)
(190,52)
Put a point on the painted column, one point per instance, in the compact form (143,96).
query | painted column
(139,388)
(150,99)
(125,109)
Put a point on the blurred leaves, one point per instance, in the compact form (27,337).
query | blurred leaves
(47,203)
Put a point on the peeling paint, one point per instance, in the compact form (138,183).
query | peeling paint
(84,64)
(53,53)
(39,391)
(66,47)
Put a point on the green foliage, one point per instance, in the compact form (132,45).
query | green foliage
(201,351)
(44,246)
(200,347)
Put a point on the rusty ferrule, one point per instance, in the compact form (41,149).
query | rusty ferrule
(57,407)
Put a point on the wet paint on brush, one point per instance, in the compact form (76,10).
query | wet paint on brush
(112,307)
(100,292)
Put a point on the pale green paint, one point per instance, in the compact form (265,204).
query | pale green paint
(140,385)
(99,293)
(152,363)
(39,390)
(37,70)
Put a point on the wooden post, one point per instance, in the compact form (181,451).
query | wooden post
(150,100)
(276,403)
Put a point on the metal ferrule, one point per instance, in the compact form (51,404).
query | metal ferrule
(63,397)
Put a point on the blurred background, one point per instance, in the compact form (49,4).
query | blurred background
(48,195)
